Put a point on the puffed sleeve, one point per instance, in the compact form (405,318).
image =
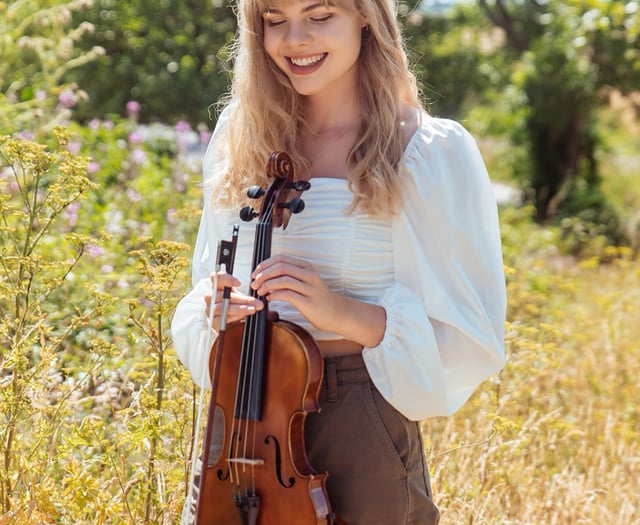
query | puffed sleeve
(189,327)
(446,311)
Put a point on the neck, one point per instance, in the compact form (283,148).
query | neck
(328,112)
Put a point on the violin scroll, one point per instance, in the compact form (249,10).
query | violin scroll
(280,167)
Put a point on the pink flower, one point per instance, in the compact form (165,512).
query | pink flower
(133,195)
(71,212)
(94,251)
(133,108)
(93,167)
(138,157)
(205,136)
(67,99)
(135,138)
(182,126)
(74,147)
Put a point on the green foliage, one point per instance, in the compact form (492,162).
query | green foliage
(161,54)
(38,184)
(449,57)
(37,49)
(564,55)
(95,422)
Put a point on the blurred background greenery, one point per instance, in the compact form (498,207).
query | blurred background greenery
(536,77)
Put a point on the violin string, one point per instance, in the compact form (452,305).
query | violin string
(245,384)
(264,242)
(239,406)
(233,445)
(261,241)
(265,226)
(247,346)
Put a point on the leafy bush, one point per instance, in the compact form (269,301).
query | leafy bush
(163,54)
(38,47)
(88,377)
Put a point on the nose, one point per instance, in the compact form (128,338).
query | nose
(298,33)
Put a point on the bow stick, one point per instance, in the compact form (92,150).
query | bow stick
(225,257)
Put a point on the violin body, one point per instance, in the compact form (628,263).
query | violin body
(266,375)
(289,489)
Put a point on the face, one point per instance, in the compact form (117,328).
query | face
(315,45)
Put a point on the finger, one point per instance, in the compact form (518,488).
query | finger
(301,272)
(207,305)
(278,261)
(240,306)
(225,280)
(285,283)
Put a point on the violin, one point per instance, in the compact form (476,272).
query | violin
(266,374)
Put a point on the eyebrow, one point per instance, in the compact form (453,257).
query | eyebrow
(306,9)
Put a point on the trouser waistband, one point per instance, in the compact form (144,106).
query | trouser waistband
(341,371)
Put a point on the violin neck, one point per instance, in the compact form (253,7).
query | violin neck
(254,338)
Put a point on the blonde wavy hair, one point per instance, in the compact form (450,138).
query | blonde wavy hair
(265,112)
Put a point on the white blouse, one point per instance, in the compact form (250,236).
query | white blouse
(436,268)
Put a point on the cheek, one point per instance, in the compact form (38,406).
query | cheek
(270,45)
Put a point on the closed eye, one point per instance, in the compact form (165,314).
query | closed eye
(273,22)
(321,19)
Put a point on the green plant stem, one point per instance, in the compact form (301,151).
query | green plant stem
(159,398)
(6,485)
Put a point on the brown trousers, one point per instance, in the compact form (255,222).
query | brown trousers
(373,454)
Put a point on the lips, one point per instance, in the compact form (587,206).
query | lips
(306,63)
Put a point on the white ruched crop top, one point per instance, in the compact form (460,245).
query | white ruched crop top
(436,268)
(351,252)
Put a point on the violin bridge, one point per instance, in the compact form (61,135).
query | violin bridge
(246,461)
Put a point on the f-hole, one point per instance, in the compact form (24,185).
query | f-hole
(278,462)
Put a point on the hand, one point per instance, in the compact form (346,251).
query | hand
(282,278)
(240,305)
(297,282)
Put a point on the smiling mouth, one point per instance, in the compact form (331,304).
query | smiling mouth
(307,61)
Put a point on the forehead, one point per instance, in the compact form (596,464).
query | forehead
(264,5)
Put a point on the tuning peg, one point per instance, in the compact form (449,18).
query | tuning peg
(247,214)
(255,192)
(300,185)
(294,205)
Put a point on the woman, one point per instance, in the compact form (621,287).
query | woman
(395,264)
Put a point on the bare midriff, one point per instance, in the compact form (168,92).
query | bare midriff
(338,347)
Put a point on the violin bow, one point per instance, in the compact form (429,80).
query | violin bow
(225,257)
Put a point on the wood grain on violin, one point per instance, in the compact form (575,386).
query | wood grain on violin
(268,374)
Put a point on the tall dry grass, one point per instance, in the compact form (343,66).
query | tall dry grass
(554,438)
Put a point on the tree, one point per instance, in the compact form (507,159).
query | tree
(163,54)
(447,55)
(566,54)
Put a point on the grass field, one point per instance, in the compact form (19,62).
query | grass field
(554,438)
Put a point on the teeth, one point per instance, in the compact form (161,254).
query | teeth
(307,61)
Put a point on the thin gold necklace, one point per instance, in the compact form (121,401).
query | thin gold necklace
(309,162)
